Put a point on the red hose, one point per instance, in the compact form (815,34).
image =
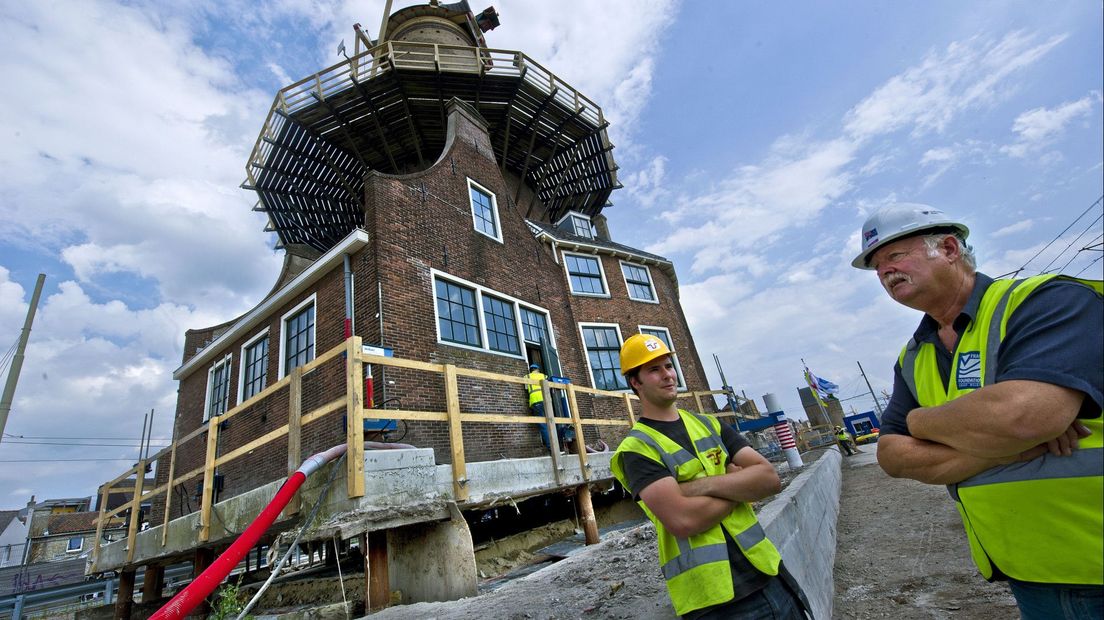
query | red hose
(208,580)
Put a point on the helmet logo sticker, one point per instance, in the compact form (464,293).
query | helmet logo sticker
(968,376)
(651,344)
(870,236)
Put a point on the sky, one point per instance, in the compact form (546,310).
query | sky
(753,139)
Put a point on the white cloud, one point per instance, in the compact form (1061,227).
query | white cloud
(1039,126)
(926,98)
(1011,229)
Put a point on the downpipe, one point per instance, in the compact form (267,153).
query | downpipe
(188,598)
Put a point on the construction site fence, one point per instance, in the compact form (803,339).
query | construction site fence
(351,403)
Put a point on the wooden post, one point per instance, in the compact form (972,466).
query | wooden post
(456,435)
(375,568)
(124,599)
(153,582)
(553,436)
(168,496)
(354,416)
(580,440)
(135,509)
(208,481)
(295,427)
(629,408)
(99,525)
(586,514)
(201,559)
(697,401)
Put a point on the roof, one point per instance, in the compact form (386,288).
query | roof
(6,517)
(576,243)
(72,523)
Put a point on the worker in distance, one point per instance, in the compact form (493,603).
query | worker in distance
(695,478)
(998,395)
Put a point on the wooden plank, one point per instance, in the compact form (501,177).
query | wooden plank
(509,419)
(698,402)
(208,481)
(168,497)
(354,418)
(482,374)
(553,436)
(135,508)
(629,408)
(322,359)
(99,528)
(124,476)
(328,408)
(188,476)
(456,435)
(399,362)
(405,414)
(256,398)
(252,445)
(580,441)
(295,427)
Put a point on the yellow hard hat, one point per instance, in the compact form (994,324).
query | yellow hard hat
(641,349)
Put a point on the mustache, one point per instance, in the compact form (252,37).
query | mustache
(892,279)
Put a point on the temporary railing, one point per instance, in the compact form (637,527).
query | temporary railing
(352,404)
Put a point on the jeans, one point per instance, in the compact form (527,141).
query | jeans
(563,433)
(774,602)
(1038,601)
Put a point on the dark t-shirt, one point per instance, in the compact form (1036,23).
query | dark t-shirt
(1055,336)
(641,472)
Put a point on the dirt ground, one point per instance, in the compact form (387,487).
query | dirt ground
(902,552)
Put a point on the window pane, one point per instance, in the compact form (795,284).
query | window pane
(585,274)
(256,368)
(638,282)
(456,314)
(219,393)
(299,339)
(534,326)
(483,212)
(501,328)
(603,351)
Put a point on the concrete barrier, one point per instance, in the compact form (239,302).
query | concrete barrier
(801,522)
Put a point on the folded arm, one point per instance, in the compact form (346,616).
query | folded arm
(748,478)
(1000,420)
(902,456)
(682,515)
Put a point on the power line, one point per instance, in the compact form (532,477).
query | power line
(63,460)
(136,444)
(82,437)
(1059,236)
(1075,254)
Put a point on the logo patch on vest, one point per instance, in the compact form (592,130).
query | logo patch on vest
(969,370)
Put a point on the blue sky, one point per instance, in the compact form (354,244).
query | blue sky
(753,140)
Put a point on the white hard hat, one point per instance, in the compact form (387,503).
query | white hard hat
(902,220)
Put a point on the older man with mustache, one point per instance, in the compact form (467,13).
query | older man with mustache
(999,394)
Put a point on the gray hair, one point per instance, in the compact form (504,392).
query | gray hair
(967,252)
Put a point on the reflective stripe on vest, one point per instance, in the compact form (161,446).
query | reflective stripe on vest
(1038,521)
(697,569)
(536,394)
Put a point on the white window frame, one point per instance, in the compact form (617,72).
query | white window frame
(586,352)
(245,347)
(78,549)
(311,299)
(226,361)
(651,282)
(494,210)
(674,358)
(572,216)
(601,272)
(480,291)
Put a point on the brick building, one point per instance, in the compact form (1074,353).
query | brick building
(444,201)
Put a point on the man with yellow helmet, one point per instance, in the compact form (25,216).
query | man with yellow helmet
(998,395)
(695,479)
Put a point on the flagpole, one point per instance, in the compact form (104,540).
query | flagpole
(816,396)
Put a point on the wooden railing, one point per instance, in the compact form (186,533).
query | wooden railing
(352,403)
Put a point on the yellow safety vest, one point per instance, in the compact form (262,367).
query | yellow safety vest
(843,437)
(536,395)
(1039,521)
(697,569)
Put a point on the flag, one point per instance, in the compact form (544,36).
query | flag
(821,388)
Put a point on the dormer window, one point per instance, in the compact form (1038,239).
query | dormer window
(577,224)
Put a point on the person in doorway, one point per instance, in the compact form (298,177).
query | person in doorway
(695,478)
(536,407)
(845,441)
(999,394)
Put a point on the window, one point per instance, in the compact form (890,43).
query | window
(639,282)
(254,363)
(663,334)
(76,543)
(533,326)
(471,316)
(577,224)
(456,316)
(586,275)
(603,347)
(218,388)
(297,336)
(484,211)
(501,325)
